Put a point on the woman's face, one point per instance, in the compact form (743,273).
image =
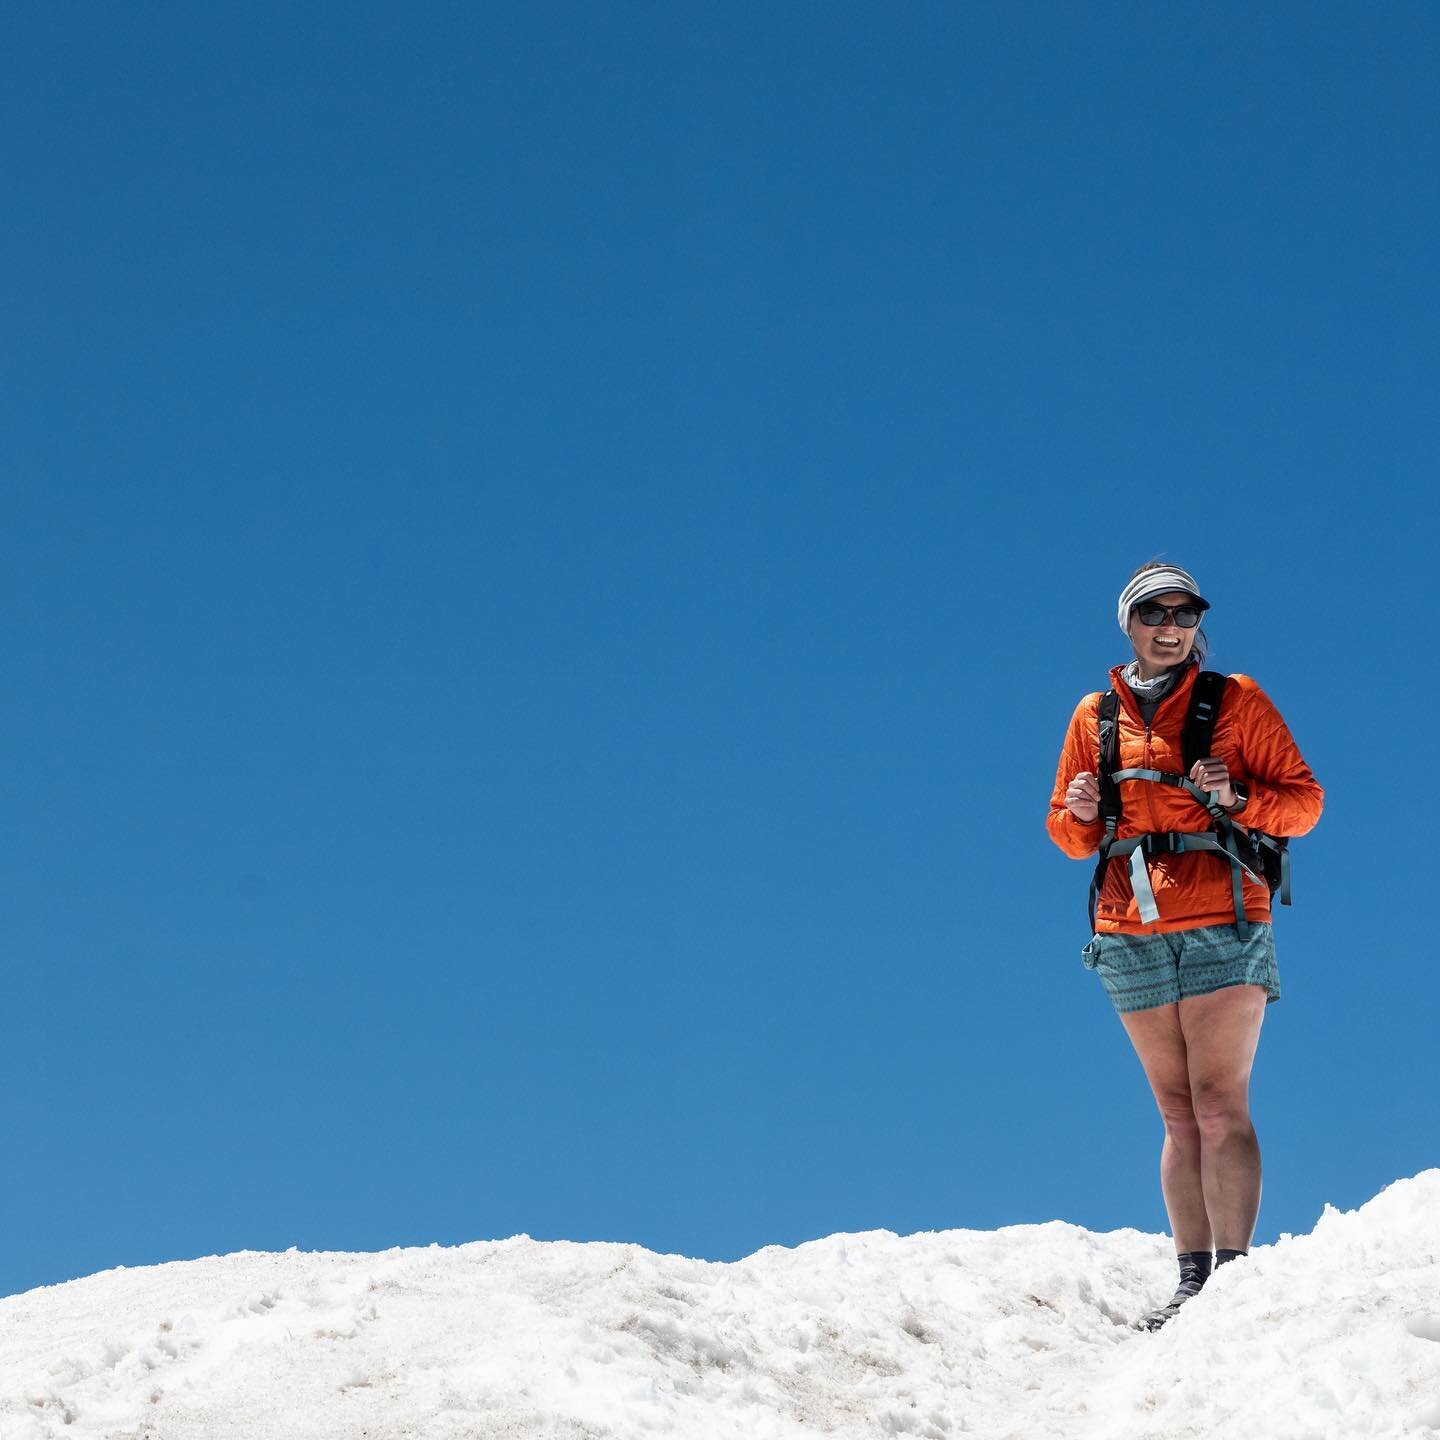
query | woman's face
(1157,647)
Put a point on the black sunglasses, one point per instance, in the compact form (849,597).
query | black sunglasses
(1187,617)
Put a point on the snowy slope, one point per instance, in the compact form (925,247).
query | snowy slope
(1019,1332)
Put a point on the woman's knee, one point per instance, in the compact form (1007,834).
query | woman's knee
(1220,1109)
(1177,1110)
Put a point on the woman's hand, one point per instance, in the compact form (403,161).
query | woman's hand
(1082,797)
(1212,773)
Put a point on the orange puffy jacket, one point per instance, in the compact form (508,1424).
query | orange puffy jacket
(1194,888)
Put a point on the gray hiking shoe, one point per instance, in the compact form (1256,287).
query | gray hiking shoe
(1194,1272)
(1187,1290)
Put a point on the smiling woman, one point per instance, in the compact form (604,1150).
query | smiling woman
(1182,940)
(1178,614)
(1163,624)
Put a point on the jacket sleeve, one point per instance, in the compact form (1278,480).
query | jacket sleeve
(1080,752)
(1285,798)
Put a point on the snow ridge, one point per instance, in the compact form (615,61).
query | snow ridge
(1012,1334)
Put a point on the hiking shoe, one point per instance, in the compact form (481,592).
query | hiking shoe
(1195,1266)
(1186,1290)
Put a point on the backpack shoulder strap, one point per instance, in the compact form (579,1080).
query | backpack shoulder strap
(1204,711)
(1108,720)
(1109,751)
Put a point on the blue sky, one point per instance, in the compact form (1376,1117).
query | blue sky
(547,553)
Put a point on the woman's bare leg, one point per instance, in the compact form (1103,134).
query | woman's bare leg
(1221,1032)
(1160,1043)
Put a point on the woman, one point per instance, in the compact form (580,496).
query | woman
(1189,990)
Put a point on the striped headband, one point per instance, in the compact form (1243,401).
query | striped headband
(1157,582)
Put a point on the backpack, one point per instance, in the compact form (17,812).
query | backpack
(1264,858)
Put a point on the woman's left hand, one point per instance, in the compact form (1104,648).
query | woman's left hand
(1212,773)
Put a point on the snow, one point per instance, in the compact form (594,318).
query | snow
(1021,1332)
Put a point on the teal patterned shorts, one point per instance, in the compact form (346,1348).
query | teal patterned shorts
(1140,971)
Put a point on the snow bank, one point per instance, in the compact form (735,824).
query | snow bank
(1023,1332)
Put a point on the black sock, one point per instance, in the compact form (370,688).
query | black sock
(1194,1270)
(1222,1256)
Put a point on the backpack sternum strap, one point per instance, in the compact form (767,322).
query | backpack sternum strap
(1180,782)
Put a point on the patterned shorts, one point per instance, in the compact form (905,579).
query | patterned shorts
(1140,971)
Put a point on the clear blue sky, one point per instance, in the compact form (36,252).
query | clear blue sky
(547,554)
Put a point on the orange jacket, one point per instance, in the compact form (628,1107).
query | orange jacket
(1192,889)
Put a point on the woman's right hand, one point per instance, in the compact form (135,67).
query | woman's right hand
(1082,797)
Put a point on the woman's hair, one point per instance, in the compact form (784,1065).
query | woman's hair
(1202,640)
